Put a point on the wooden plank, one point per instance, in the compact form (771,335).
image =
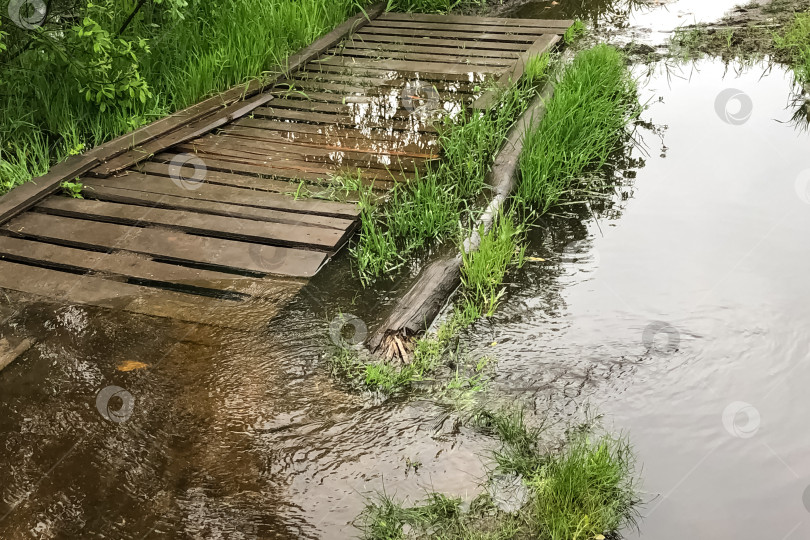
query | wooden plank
(122,264)
(415,66)
(27,195)
(217,208)
(389,108)
(372,82)
(225,194)
(97,291)
(468,19)
(412,123)
(311,172)
(394,47)
(302,171)
(462,27)
(382,153)
(444,34)
(446,57)
(436,42)
(511,76)
(258,150)
(169,245)
(191,131)
(428,149)
(232,228)
(357,71)
(404,141)
(379,88)
(394,96)
(219,177)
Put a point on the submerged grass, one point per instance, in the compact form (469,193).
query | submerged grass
(583,490)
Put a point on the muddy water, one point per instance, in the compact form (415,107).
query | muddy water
(681,316)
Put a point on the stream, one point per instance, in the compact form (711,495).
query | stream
(678,312)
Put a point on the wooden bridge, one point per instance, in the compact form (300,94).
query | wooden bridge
(201,205)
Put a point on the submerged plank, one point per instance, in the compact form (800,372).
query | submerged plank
(175,246)
(122,264)
(97,291)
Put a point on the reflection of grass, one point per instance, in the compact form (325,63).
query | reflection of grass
(794,44)
(583,491)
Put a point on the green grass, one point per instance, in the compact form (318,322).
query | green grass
(483,270)
(586,121)
(583,490)
(428,210)
(586,491)
(794,44)
(436,6)
(44,118)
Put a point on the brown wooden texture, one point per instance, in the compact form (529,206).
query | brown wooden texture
(175,246)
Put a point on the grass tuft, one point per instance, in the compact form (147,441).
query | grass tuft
(585,123)
(583,490)
(794,44)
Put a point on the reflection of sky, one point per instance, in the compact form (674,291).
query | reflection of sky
(647,22)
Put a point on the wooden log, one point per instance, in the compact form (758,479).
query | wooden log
(416,310)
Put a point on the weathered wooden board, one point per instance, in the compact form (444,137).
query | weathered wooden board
(296,235)
(169,245)
(225,194)
(216,208)
(203,202)
(119,264)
